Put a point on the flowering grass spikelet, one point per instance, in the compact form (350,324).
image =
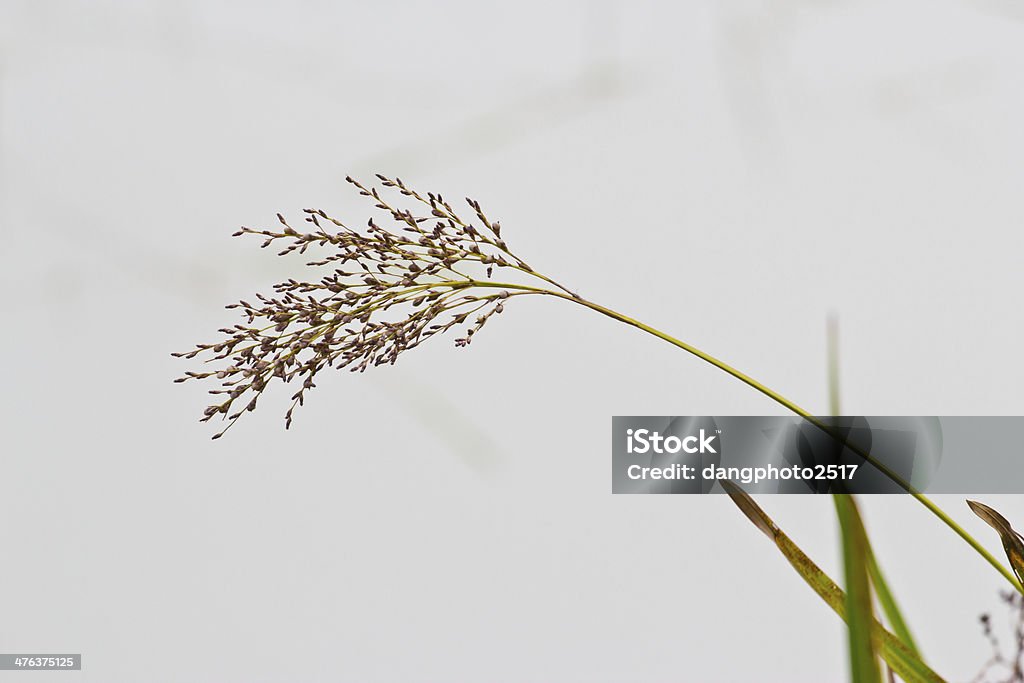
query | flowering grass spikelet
(387,288)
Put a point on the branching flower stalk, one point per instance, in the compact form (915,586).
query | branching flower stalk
(1011,664)
(388,290)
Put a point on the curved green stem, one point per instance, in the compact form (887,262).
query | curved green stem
(775,396)
(941,514)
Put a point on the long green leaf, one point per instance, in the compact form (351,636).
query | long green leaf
(860,616)
(889,606)
(885,596)
(896,654)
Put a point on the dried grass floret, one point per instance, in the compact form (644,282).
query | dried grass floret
(390,286)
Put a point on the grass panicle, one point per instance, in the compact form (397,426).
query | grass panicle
(382,290)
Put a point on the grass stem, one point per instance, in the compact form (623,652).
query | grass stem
(775,396)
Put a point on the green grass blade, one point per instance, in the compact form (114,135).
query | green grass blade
(896,654)
(860,616)
(885,596)
(832,342)
(889,606)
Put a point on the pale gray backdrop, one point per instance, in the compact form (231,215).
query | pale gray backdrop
(728,171)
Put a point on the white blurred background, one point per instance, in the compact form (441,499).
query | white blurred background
(727,171)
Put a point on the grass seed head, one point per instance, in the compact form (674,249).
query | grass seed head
(382,290)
